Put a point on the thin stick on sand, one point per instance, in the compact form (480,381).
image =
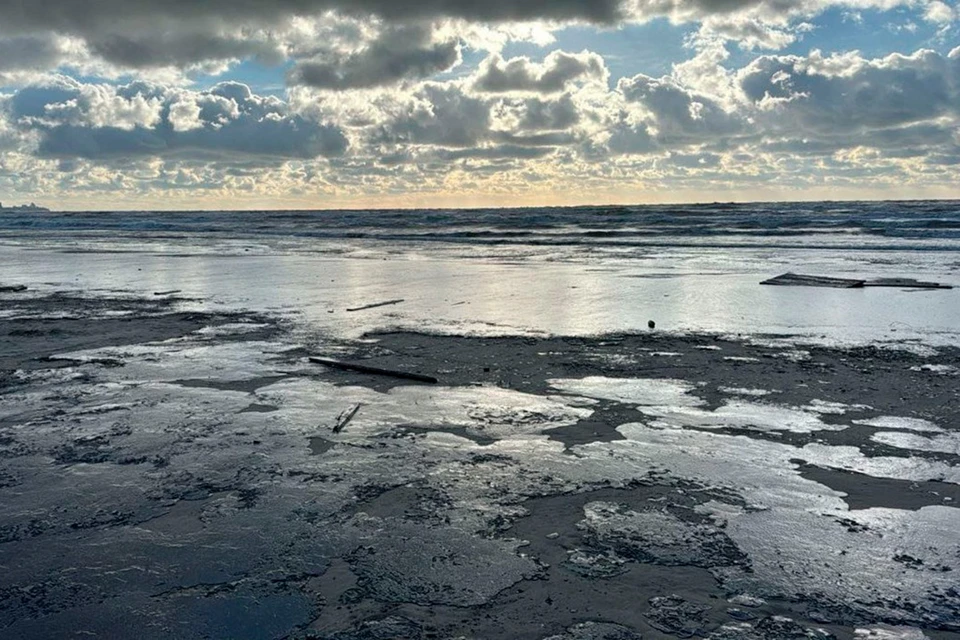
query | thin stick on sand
(376,304)
(344,418)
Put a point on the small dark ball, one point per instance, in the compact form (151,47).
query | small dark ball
(651,324)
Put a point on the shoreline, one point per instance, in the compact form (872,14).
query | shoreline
(476,296)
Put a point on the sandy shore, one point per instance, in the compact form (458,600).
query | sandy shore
(176,474)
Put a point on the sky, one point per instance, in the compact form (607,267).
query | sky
(278,104)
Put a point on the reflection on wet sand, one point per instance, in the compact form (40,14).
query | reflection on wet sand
(185,480)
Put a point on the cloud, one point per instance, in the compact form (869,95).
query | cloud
(777,12)
(399,53)
(536,114)
(182,48)
(105,16)
(774,118)
(31,52)
(27,58)
(749,32)
(557,71)
(679,115)
(98,106)
(497,152)
(123,16)
(441,115)
(450,116)
(841,94)
(212,35)
(902,106)
(938,11)
(228,122)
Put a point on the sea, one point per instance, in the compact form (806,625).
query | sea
(531,271)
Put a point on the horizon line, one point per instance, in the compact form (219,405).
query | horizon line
(492,207)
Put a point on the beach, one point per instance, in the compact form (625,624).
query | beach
(763,462)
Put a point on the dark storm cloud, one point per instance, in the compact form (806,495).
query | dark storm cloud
(227,122)
(289,139)
(111,16)
(30,52)
(178,48)
(182,33)
(399,53)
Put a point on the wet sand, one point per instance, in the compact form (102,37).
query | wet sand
(172,474)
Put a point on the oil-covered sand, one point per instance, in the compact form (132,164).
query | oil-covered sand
(173,474)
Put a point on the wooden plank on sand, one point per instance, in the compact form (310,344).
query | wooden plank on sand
(905,282)
(799,280)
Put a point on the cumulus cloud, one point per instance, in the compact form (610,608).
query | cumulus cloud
(184,115)
(677,115)
(902,106)
(537,114)
(441,115)
(100,106)
(775,116)
(938,11)
(557,71)
(842,93)
(405,52)
(749,32)
(103,122)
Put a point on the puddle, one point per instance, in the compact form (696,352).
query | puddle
(738,414)
(633,391)
(944,443)
(907,424)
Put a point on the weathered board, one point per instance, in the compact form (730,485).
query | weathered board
(905,282)
(798,280)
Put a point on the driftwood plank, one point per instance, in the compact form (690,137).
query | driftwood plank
(376,304)
(362,368)
(799,280)
(905,282)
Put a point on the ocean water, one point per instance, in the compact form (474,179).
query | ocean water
(584,270)
(621,231)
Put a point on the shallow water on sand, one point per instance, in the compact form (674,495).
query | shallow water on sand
(490,297)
